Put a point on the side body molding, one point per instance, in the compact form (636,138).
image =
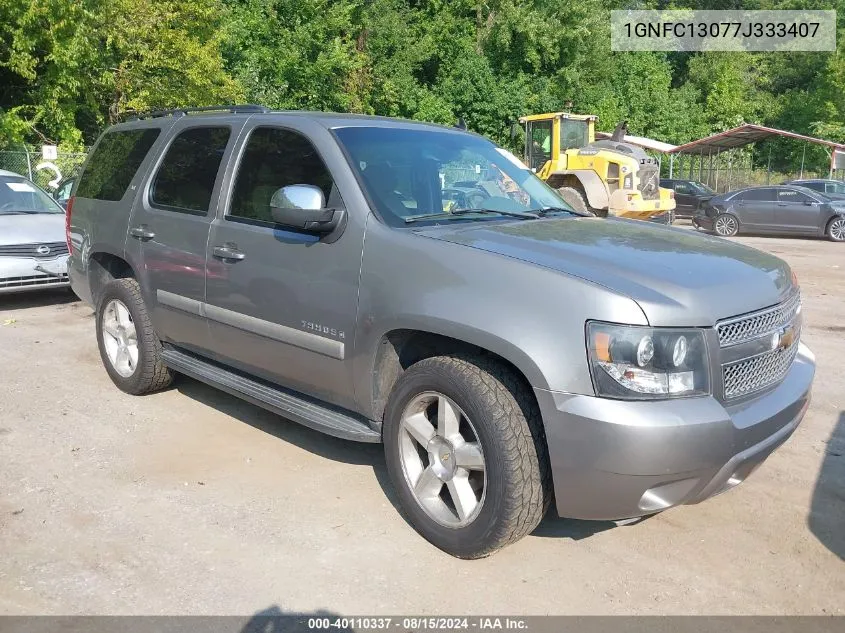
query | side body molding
(267,329)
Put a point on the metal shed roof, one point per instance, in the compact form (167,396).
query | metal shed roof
(745,135)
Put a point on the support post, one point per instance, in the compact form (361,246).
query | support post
(671,166)
(769,166)
(28,162)
(803,154)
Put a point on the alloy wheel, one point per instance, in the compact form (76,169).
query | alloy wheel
(726,225)
(837,229)
(442,459)
(120,338)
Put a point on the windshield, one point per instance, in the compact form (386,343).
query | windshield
(20,196)
(574,134)
(414,172)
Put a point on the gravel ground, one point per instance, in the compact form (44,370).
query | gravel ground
(190,501)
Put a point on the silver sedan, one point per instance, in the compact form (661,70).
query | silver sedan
(33,250)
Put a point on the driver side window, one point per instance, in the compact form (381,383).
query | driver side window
(274,158)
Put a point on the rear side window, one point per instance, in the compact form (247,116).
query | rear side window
(274,158)
(756,195)
(113,164)
(790,195)
(185,179)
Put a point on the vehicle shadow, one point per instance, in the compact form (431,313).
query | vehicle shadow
(274,620)
(326,446)
(827,510)
(36,299)
(348,452)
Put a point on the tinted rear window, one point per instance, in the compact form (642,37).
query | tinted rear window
(753,195)
(114,162)
(185,180)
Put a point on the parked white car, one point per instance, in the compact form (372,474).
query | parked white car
(33,248)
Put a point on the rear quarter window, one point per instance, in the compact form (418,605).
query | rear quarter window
(114,162)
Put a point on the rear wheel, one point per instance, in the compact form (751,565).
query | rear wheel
(466,453)
(726,225)
(836,229)
(129,347)
(575,199)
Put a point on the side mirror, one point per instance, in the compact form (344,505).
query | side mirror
(303,207)
(809,203)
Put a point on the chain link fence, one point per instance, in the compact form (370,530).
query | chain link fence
(46,174)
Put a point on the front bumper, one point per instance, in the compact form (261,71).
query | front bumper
(629,203)
(614,459)
(19,274)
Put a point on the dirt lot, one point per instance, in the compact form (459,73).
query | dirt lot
(190,501)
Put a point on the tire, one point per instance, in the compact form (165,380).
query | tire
(147,373)
(498,417)
(836,229)
(726,225)
(575,199)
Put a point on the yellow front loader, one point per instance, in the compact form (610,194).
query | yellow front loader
(607,177)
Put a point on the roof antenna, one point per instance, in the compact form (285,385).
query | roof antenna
(461,124)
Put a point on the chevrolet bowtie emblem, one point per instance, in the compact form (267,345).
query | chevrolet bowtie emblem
(783,338)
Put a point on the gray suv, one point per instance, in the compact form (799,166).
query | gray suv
(504,348)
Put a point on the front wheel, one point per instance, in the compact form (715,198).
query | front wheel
(726,225)
(466,452)
(836,229)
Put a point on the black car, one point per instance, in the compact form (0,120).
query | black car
(689,195)
(832,188)
(785,209)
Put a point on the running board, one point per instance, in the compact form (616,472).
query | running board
(305,411)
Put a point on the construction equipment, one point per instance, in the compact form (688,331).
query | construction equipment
(607,177)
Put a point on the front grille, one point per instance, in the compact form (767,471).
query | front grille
(751,326)
(53,249)
(28,281)
(649,183)
(751,374)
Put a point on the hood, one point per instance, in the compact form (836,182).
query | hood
(32,228)
(677,277)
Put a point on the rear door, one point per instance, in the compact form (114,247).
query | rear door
(170,223)
(281,304)
(797,212)
(756,209)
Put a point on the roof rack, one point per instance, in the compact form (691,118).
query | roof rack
(241,108)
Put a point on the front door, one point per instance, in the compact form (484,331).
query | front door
(283,304)
(797,212)
(757,209)
(538,144)
(170,226)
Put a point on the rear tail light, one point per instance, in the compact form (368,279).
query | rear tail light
(68,212)
(671,194)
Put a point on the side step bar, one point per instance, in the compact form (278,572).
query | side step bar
(296,407)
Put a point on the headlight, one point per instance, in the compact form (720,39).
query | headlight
(628,182)
(640,363)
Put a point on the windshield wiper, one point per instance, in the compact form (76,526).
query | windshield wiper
(547,210)
(459,212)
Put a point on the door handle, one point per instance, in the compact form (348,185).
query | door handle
(228,252)
(142,233)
